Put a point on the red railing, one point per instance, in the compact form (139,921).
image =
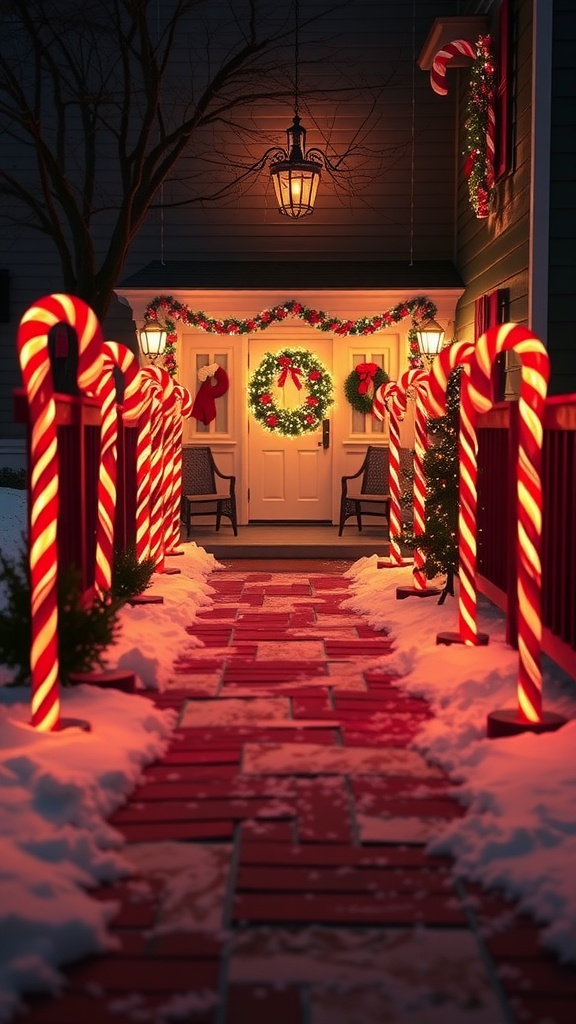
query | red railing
(497,460)
(78,423)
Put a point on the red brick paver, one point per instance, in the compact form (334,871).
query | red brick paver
(235,865)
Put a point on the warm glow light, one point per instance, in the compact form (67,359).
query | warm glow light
(153,340)
(430,338)
(296,186)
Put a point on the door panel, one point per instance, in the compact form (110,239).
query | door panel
(290,478)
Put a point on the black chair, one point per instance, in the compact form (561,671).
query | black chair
(200,496)
(369,494)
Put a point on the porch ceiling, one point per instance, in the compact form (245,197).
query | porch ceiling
(294,274)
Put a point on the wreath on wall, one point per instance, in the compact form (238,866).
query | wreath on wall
(361,385)
(308,375)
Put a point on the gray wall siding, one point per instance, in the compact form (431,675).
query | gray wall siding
(562,255)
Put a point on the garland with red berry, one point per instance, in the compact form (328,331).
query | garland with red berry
(168,311)
(480,129)
(308,374)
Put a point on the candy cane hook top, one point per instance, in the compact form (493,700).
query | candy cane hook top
(460,47)
(534,382)
(32,343)
(459,353)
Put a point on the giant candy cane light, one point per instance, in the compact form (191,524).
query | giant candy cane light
(414,384)
(461,354)
(186,399)
(533,388)
(32,345)
(390,398)
(162,462)
(118,356)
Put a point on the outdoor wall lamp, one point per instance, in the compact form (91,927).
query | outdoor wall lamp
(430,338)
(152,340)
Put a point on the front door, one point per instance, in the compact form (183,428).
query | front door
(290,477)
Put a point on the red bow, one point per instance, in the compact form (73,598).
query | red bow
(289,369)
(366,372)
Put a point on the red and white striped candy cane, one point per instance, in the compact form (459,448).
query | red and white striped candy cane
(115,356)
(414,383)
(462,354)
(186,399)
(390,397)
(43,516)
(533,388)
(162,462)
(460,47)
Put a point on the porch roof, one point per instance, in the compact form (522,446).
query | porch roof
(294,274)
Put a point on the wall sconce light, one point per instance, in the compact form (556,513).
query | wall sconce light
(430,338)
(152,340)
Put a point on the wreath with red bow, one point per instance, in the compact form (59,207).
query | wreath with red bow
(307,374)
(361,385)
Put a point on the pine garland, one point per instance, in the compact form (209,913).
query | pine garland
(479,165)
(166,310)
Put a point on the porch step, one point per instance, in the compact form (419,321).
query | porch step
(299,540)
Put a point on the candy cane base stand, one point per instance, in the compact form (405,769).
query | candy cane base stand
(403,592)
(480,640)
(510,723)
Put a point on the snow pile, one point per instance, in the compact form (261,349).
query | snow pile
(520,829)
(57,789)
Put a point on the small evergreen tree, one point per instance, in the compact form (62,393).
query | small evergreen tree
(85,629)
(439,543)
(442,471)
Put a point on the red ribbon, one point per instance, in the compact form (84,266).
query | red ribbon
(288,369)
(366,372)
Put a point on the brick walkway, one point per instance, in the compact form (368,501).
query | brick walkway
(280,871)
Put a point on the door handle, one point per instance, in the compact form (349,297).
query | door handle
(325,434)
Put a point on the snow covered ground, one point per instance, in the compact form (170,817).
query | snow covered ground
(57,790)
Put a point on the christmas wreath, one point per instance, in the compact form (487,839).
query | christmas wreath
(362,383)
(308,375)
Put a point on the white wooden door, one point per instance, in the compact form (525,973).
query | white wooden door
(290,477)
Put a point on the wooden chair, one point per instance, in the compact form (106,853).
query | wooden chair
(369,493)
(200,496)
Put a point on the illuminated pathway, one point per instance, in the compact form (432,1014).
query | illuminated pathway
(279,847)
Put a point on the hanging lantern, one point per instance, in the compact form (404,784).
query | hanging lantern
(295,176)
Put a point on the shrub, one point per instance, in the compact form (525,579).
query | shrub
(85,629)
(14,478)
(129,576)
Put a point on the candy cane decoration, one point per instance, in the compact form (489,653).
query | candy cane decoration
(114,355)
(414,383)
(162,460)
(34,359)
(462,354)
(460,47)
(533,388)
(390,398)
(186,400)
